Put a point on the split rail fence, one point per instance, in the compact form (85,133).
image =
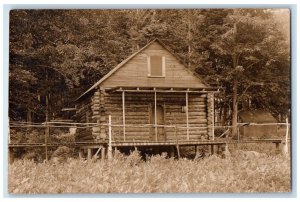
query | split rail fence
(112,128)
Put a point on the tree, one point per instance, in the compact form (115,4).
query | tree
(244,46)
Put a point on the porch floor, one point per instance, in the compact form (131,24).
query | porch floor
(146,143)
(166,143)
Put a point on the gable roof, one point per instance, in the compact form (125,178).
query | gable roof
(128,59)
(257,116)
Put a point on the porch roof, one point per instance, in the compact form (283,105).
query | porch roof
(138,89)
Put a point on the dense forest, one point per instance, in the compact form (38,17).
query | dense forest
(55,55)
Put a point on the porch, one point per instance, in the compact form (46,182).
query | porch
(152,114)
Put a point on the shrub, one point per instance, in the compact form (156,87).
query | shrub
(62,153)
(37,135)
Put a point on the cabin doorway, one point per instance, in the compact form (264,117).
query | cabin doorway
(160,120)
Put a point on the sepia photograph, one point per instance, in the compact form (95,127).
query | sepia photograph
(114,101)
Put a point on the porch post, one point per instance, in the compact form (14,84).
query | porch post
(213,118)
(123,108)
(109,149)
(187,115)
(155,118)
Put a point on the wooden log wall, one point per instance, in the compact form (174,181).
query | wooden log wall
(83,115)
(96,106)
(138,110)
(197,117)
(103,116)
(210,114)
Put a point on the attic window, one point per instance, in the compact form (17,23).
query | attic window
(156,66)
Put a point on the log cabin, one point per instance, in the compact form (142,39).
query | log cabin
(153,99)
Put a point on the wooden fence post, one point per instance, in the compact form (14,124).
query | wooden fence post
(277,150)
(89,157)
(212,149)
(285,147)
(155,116)
(109,151)
(80,153)
(10,155)
(177,145)
(123,114)
(213,119)
(46,140)
(225,152)
(238,134)
(103,153)
(172,152)
(197,152)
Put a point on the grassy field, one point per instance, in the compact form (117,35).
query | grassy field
(242,171)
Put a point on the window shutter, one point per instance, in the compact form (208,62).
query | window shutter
(163,66)
(148,65)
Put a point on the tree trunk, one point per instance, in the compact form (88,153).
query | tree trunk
(47,130)
(221,111)
(189,39)
(234,108)
(29,115)
(234,95)
(224,115)
(29,118)
(47,108)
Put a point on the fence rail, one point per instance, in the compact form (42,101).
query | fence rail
(90,125)
(112,140)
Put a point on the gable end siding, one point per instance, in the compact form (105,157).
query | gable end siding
(135,72)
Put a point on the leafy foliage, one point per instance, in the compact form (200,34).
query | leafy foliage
(60,53)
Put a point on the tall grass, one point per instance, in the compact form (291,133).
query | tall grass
(242,171)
